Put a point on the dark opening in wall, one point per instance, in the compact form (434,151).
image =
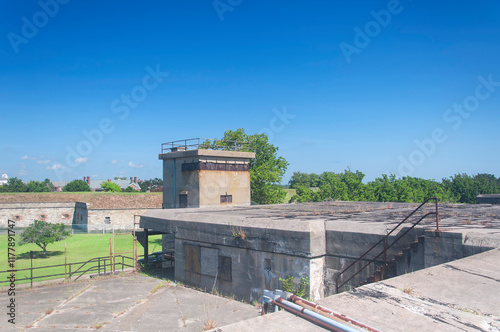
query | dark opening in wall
(192,257)
(43,217)
(225,268)
(183,201)
(267,264)
(226,198)
(107,220)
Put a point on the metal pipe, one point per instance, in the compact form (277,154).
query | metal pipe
(328,312)
(306,317)
(333,325)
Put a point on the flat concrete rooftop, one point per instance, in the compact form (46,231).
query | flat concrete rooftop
(363,217)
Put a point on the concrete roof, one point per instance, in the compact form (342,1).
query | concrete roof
(207,153)
(363,217)
(460,295)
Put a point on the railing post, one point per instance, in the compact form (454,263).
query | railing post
(31,270)
(437,216)
(385,260)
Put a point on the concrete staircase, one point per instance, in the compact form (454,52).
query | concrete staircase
(409,259)
(405,254)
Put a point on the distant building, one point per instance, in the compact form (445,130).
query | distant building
(95,185)
(4,179)
(488,199)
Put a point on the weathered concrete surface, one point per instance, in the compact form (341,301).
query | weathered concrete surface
(203,188)
(128,303)
(460,295)
(456,296)
(320,239)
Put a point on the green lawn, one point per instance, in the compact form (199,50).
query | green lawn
(289,194)
(79,248)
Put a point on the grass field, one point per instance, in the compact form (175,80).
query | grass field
(289,194)
(79,248)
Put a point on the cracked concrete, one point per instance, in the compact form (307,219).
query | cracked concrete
(458,296)
(128,303)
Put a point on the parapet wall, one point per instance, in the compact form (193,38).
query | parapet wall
(95,200)
(244,260)
(24,213)
(69,213)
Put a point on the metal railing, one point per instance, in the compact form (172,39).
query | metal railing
(387,247)
(205,143)
(96,265)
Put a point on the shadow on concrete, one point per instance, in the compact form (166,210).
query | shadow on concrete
(39,254)
(160,273)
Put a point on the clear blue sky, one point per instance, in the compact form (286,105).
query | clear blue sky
(408,87)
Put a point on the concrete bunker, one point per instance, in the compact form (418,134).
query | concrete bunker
(242,250)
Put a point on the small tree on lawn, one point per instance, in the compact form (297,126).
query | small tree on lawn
(42,234)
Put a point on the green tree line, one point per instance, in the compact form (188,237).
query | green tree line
(349,186)
(15,185)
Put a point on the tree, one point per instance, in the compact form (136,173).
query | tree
(266,170)
(110,186)
(76,185)
(36,187)
(14,185)
(130,189)
(49,184)
(305,195)
(151,185)
(300,179)
(42,234)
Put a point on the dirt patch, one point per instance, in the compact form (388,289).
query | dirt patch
(96,200)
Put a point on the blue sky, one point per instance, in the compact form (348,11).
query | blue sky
(92,88)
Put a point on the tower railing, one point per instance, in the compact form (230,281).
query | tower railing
(205,143)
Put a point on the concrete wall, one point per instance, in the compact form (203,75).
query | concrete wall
(217,183)
(204,187)
(212,256)
(242,255)
(24,213)
(120,219)
(488,199)
(184,182)
(344,247)
(69,213)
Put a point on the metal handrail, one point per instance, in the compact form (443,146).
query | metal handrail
(71,274)
(337,286)
(208,143)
